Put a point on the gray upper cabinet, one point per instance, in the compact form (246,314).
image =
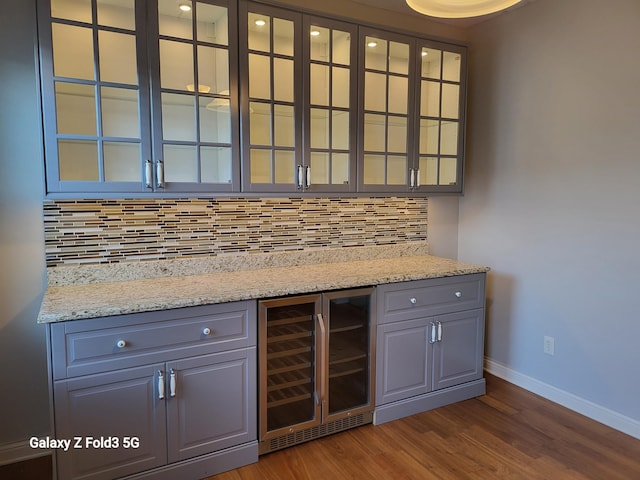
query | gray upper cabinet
(411,135)
(121,112)
(162,97)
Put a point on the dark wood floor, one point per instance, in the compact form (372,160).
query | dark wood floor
(507,434)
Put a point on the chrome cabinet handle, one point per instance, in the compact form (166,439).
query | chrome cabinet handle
(300,177)
(206,331)
(413,300)
(172,383)
(160,174)
(121,344)
(412,180)
(439,331)
(148,173)
(308,176)
(160,385)
(458,294)
(432,333)
(418,178)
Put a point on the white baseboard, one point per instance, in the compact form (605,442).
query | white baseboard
(20,451)
(572,402)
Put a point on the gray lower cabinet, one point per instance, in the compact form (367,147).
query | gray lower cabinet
(160,395)
(429,344)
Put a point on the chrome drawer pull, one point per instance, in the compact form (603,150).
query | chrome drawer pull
(458,294)
(172,383)
(206,331)
(121,344)
(160,385)
(413,300)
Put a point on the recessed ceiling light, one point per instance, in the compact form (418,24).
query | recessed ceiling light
(260,23)
(185,7)
(372,44)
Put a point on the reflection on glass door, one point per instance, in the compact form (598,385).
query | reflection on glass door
(196,104)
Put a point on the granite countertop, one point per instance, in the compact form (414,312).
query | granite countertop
(172,286)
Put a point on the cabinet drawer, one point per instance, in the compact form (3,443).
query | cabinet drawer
(407,300)
(97,345)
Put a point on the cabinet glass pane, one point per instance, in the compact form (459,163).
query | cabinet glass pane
(340,130)
(341,47)
(117,13)
(375,54)
(283,37)
(215,120)
(398,94)
(319,84)
(259,76)
(319,163)
(284,166)
(212,22)
(450,99)
(118,61)
(451,66)
(213,70)
(339,168)
(283,86)
(397,134)
(173,21)
(260,123)
(176,65)
(340,87)
(375,86)
(396,170)
(428,170)
(374,169)
(79,10)
(349,348)
(120,117)
(319,49)
(429,133)
(283,126)
(374,132)
(431,63)
(180,163)
(448,171)
(399,58)
(260,166)
(319,127)
(76,108)
(78,160)
(449,138)
(178,117)
(72,51)
(215,164)
(259,32)
(429,99)
(121,162)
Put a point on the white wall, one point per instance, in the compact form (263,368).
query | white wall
(552,199)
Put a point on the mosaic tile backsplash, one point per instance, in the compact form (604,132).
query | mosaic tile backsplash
(110,231)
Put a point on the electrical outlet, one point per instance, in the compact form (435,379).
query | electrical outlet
(549,345)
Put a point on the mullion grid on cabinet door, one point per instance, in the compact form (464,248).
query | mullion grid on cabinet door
(391,177)
(333,170)
(65,90)
(439,164)
(271,148)
(199,134)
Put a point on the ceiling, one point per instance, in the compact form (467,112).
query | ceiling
(402,7)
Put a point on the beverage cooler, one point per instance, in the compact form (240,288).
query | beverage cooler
(315,365)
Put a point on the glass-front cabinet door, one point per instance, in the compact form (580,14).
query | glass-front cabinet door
(441,93)
(271,98)
(330,103)
(194,99)
(386,77)
(104,130)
